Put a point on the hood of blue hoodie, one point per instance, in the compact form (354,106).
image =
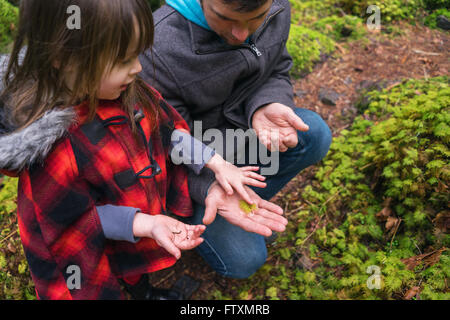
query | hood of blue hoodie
(191,10)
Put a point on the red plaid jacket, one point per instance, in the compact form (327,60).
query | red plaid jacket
(98,163)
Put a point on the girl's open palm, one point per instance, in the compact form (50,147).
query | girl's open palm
(169,233)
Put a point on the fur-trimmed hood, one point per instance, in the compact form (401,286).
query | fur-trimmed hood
(19,149)
(22,148)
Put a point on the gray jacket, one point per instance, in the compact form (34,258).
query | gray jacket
(222,86)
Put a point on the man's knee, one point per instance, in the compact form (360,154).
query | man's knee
(244,266)
(318,138)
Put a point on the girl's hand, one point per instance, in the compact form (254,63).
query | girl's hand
(169,233)
(231,177)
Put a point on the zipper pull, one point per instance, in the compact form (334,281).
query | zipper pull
(255,50)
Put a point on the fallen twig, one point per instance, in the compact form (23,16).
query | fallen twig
(8,236)
(395,232)
(426,53)
(164,279)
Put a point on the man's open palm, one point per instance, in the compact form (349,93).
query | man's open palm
(276,126)
(267,218)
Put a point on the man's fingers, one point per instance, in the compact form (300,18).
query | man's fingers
(273,221)
(295,121)
(253,226)
(269,206)
(291,140)
(210,211)
(264,139)
(282,147)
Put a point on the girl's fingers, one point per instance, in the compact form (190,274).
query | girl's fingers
(167,243)
(190,242)
(243,193)
(191,239)
(250,168)
(255,183)
(195,231)
(199,229)
(194,243)
(254,175)
(225,185)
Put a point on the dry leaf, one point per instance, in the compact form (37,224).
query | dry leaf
(429,259)
(411,293)
(384,213)
(11,248)
(306,262)
(391,222)
(442,221)
(433,258)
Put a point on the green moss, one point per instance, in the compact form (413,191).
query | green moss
(341,248)
(436,4)
(15,278)
(391,10)
(308,12)
(430,20)
(337,27)
(8,20)
(305,46)
(246,207)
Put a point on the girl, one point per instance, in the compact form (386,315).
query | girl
(90,142)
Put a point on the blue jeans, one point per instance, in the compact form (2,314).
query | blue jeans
(235,253)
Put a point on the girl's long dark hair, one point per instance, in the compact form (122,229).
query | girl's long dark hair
(37,84)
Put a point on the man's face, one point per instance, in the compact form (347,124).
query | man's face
(234,27)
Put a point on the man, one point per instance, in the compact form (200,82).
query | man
(224,63)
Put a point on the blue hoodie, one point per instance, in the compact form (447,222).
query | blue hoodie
(191,10)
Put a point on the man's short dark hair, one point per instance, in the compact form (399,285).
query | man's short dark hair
(245,5)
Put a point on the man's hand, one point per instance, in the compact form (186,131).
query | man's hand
(276,126)
(266,218)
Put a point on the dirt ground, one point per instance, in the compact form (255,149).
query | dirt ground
(419,52)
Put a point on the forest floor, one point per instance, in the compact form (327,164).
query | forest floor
(412,52)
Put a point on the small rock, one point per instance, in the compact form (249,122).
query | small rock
(370,85)
(300,93)
(328,96)
(324,57)
(348,80)
(443,22)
